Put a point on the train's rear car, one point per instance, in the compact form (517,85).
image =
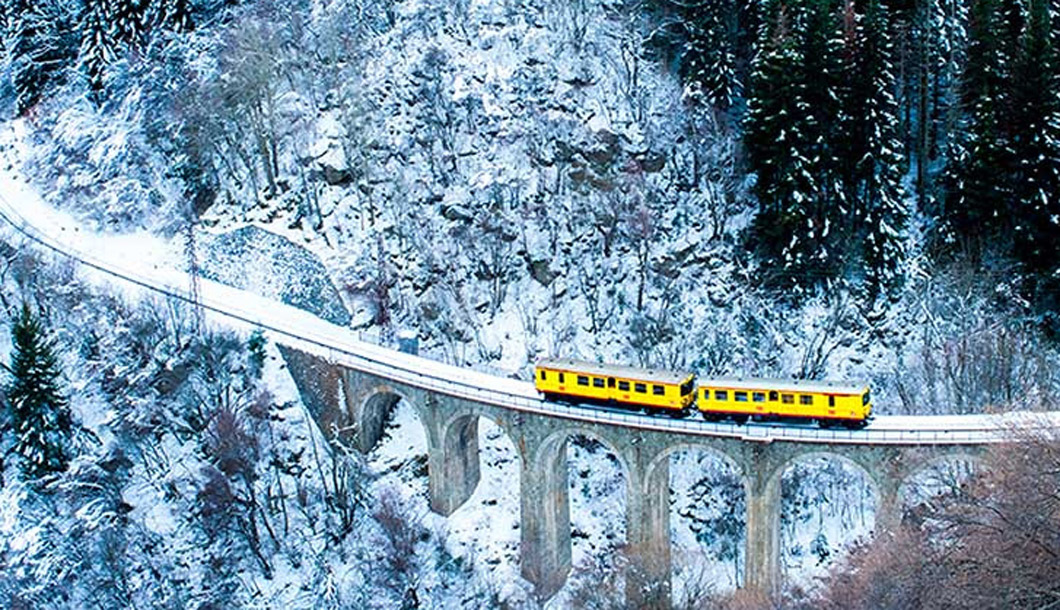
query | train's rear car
(591,382)
(823,402)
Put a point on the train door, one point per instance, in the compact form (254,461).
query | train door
(611,388)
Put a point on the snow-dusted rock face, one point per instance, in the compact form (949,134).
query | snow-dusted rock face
(267,264)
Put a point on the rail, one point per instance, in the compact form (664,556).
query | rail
(298,329)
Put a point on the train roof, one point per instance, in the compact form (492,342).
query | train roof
(785,385)
(614,370)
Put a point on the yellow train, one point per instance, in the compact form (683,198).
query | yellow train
(674,393)
(560,378)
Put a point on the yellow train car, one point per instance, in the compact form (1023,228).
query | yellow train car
(581,381)
(826,403)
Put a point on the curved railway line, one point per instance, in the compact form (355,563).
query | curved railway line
(301,330)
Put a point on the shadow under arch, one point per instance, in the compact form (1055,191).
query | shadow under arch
(370,413)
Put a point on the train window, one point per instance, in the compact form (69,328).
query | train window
(758,396)
(598,382)
(805,399)
(583,380)
(561,377)
(721,395)
(542,375)
(788,399)
(865,398)
(831,401)
(773,396)
(658,390)
(640,387)
(623,385)
(739,396)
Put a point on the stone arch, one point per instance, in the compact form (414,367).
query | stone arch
(653,469)
(459,446)
(481,490)
(458,418)
(855,460)
(550,460)
(773,483)
(557,440)
(369,410)
(657,487)
(918,467)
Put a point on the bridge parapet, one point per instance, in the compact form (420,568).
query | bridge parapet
(361,401)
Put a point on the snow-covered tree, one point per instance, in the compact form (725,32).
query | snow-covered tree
(41,46)
(786,236)
(868,147)
(707,37)
(716,510)
(821,75)
(978,195)
(173,14)
(1035,127)
(98,43)
(131,20)
(38,412)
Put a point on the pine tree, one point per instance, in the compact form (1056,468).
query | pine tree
(38,410)
(130,20)
(41,47)
(705,38)
(978,194)
(869,145)
(821,74)
(801,235)
(1034,124)
(98,46)
(173,15)
(713,67)
(784,235)
(942,33)
(7,19)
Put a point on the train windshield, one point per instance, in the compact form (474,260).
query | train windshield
(866,397)
(686,387)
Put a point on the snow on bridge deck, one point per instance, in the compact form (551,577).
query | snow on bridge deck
(146,262)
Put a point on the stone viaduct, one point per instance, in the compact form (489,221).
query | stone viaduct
(353,405)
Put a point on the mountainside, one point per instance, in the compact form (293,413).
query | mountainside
(862,191)
(513,180)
